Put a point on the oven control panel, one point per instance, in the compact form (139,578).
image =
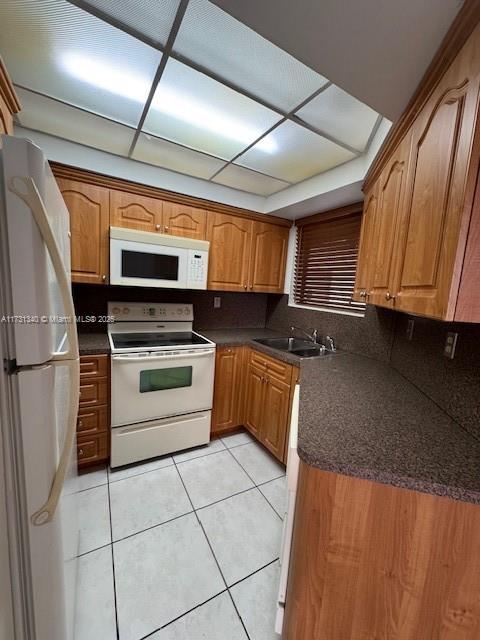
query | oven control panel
(138,311)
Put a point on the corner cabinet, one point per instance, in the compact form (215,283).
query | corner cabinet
(88,206)
(420,249)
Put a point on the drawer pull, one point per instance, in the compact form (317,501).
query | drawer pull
(80,423)
(80,452)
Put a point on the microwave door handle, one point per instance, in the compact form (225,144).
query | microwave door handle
(166,357)
(31,196)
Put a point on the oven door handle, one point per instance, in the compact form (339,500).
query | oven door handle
(201,354)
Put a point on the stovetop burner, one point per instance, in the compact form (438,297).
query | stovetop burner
(156,340)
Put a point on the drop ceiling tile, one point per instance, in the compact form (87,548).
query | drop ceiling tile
(172,156)
(150,18)
(298,154)
(340,115)
(57,49)
(248,180)
(223,45)
(198,112)
(58,119)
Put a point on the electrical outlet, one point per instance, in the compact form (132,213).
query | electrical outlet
(217,302)
(410,328)
(450,345)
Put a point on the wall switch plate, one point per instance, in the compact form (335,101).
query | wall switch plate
(410,328)
(217,302)
(450,345)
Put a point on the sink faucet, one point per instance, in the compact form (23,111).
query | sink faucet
(329,344)
(313,336)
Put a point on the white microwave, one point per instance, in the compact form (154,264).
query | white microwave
(144,259)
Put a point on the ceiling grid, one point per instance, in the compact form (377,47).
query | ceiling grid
(255,127)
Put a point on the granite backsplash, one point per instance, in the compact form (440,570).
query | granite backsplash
(245,310)
(454,385)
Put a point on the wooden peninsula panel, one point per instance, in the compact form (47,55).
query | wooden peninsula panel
(375,562)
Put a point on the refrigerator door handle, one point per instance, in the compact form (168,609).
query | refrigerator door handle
(26,189)
(47,511)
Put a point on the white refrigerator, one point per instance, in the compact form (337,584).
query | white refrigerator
(39,386)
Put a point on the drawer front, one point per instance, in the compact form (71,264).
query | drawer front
(92,449)
(93,391)
(94,366)
(93,421)
(277,369)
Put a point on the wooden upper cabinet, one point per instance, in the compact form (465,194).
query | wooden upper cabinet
(181,220)
(425,253)
(227,396)
(441,149)
(268,257)
(366,246)
(229,258)
(89,227)
(135,212)
(391,195)
(9,103)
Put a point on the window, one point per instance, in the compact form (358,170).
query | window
(326,260)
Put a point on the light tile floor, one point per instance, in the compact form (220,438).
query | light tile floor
(184,547)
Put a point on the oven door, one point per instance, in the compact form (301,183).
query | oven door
(147,265)
(160,384)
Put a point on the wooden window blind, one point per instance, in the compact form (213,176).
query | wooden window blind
(326,260)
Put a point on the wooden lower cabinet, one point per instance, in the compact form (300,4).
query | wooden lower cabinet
(269,390)
(256,391)
(93,421)
(371,561)
(227,395)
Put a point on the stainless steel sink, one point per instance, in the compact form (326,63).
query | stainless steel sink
(295,346)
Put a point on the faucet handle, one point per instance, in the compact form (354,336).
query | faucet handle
(329,343)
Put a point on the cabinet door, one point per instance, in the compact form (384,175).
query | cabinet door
(366,246)
(388,218)
(254,400)
(135,212)
(88,207)
(268,257)
(180,220)
(275,417)
(228,385)
(442,139)
(230,241)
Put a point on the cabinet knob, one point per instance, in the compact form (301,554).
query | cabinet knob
(244,286)
(80,423)
(166,229)
(80,452)
(388,296)
(251,286)
(158,227)
(104,278)
(363,294)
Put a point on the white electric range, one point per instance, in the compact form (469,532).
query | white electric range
(161,381)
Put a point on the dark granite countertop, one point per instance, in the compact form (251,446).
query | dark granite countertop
(360,417)
(95,343)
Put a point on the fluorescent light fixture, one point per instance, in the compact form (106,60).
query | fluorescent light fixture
(189,109)
(166,100)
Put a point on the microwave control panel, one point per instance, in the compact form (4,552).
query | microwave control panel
(197,269)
